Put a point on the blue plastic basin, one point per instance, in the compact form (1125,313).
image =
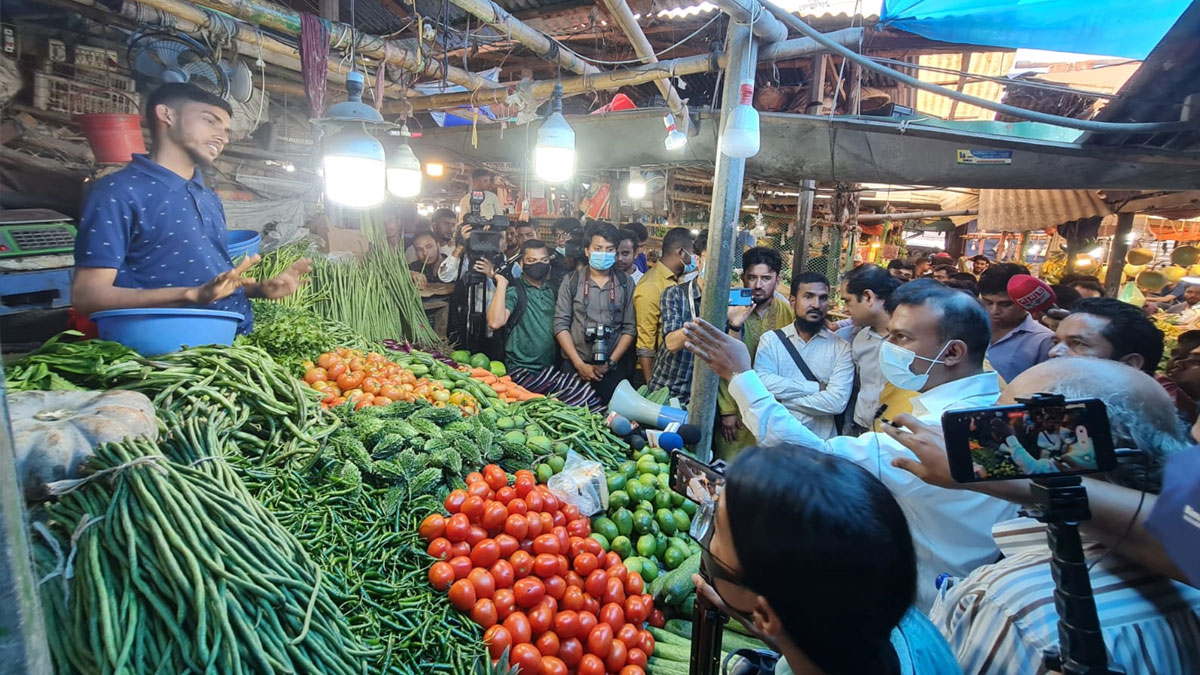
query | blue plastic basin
(242,243)
(154,331)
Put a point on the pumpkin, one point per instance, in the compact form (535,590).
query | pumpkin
(1151,281)
(1174,273)
(54,432)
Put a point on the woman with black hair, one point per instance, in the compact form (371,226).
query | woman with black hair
(814,554)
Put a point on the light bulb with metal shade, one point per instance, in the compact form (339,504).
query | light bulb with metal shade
(403,171)
(675,139)
(354,168)
(554,154)
(637,185)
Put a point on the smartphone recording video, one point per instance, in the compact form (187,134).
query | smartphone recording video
(1032,439)
(694,479)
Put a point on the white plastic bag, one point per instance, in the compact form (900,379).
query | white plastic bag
(582,483)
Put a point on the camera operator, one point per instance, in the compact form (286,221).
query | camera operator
(834,594)
(480,243)
(1001,617)
(483,181)
(526,306)
(593,318)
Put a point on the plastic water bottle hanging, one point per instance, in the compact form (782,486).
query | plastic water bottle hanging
(740,136)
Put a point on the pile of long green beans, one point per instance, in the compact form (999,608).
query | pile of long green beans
(375,296)
(277,262)
(153,566)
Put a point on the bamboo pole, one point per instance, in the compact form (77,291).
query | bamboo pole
(541,44)
(620,12)
(615,79)
(275,17)
(913,215)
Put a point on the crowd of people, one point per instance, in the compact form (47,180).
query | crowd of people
(831,423)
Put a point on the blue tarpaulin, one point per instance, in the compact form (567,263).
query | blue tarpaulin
(1106,27)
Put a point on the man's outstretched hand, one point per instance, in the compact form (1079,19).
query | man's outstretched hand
(224,284)
(287,283)
(725,354)
(928,444)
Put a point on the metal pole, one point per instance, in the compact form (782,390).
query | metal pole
(23,647)
(722,226)
(1116,255)
(804,211)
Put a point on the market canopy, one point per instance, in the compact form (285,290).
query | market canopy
(1105,27)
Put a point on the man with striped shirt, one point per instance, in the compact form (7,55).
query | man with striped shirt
(1002,617)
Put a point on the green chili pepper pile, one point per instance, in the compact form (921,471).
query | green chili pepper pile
(577,428)
(153,566)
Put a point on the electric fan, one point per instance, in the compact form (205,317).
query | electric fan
(169,57)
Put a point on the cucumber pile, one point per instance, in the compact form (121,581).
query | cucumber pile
(673,645)
(647,523)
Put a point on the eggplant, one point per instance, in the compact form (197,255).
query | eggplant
(536,381)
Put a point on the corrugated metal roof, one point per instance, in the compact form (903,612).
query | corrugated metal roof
(864,11)
(994,64)
(1027,210)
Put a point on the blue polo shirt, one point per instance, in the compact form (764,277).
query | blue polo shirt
(157,230)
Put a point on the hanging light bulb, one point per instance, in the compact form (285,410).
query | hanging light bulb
(740,136)
(354,163)
(554,154)
(676,139)
(637,185)
(435,169)
(404,169)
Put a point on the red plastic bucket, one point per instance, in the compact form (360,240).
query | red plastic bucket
(114,137)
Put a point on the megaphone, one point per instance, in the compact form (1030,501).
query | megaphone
(629,404)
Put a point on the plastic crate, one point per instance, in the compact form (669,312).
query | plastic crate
(70,97)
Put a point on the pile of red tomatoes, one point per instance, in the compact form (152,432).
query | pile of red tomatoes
(522,564)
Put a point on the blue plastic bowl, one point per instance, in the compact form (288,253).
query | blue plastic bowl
(242,243)
(155,331)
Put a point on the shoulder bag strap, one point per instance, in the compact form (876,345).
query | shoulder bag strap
(791,348)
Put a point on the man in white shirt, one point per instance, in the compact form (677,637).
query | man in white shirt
(865,291)
(804,364)
(936,342)
(484,181)
(1001,617)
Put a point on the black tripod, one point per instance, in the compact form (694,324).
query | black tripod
(1061,503)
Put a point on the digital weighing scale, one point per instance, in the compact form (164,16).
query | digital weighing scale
(37,260)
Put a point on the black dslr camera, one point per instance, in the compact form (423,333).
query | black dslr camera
(598,337)
(484,242)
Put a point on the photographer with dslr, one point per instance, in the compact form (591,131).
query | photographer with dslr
(1001,617)
(526,306)
(479,249)
(832,595)
(593,318)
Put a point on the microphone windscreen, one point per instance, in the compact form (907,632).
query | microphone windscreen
(669,440)
(637,442)
(1032,294)
(619,425)
(690,433)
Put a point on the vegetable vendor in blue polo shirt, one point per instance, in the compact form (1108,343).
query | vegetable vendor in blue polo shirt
(153,234)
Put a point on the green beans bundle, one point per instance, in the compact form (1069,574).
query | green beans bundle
(169,572)
(277,262)
(581,430)
(276,416)
(366,540)
(375,296)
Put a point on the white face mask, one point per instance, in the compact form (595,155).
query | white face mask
(894,362)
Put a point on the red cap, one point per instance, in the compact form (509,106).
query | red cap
(1032,294)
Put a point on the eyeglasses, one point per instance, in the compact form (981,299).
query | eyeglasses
(702,529)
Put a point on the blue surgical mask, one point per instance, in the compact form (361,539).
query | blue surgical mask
(561,250)
(690,266)
(894,362)
(601,260)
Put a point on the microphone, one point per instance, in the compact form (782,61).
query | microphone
(1031,293)
(667,440)
(689,433)
(619,424)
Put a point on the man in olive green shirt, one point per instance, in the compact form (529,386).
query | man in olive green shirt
(530,344)
(760,271)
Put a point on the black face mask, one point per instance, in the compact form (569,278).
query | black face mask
(536,271)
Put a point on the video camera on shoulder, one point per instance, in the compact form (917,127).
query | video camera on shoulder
(1039,437)
(485,232)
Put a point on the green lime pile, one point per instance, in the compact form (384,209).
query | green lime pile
(646,522)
